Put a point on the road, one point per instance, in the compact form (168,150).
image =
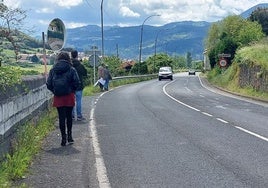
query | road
(179,134)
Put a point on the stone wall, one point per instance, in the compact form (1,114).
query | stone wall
(19,104)
(254,77)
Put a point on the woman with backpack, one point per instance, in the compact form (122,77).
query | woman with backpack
(63,81)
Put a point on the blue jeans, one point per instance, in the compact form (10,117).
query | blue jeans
(106,85)
(78,99)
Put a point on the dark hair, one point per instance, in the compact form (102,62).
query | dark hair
(64,56)
(74,54)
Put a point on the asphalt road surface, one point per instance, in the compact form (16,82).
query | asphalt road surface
(179,134)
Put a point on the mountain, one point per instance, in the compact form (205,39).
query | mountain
(247,13)
(174,38)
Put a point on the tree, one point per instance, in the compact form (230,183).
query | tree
(159,60)
(114,64)
(189,60)
(230,34)
(261,16)
(12,21)
(180,62)
(139,68)
(251,31)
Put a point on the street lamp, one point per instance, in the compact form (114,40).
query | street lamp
(141,37)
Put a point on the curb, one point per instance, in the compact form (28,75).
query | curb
(207,83)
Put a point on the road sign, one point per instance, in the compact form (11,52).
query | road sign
(223,62)
(224,55)
(94,60)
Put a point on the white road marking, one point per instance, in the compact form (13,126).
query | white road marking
(220,106)
(164,90)
(252,133)
(221,120)
(207,114)
(100,166)
(188,89)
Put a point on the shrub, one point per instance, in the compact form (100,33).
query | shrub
(9,76)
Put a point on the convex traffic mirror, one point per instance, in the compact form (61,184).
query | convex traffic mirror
(56,34)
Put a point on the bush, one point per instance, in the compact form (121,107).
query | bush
(9,76)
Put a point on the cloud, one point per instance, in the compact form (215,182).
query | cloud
(129,12)
(12,3)
(75,24)
(126,12)
(44,22)
(66,3)
(45,10)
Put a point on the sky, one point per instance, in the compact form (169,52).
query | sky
(77,13)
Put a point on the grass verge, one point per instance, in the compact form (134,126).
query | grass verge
(228,80)
(26,145)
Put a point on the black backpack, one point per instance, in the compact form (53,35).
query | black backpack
(61,84)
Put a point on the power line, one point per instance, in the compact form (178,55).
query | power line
(107,15)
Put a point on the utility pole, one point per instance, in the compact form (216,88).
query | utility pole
(102,33)
(117,51)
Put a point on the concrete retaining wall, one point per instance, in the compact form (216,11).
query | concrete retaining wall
(19,104)
(254,77)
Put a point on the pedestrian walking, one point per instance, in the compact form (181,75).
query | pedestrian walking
(63,81)
(107,77)
(82,73)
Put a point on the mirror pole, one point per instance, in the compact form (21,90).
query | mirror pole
(44,53)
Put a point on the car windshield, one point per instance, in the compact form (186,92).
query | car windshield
(164,70)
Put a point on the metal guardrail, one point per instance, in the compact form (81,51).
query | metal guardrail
(134,76)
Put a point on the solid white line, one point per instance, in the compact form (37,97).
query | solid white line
(222,120)
(164,90)
(100,166)
(252,133)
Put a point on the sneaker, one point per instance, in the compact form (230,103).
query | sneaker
(80,118)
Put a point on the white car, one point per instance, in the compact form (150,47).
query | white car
(165,73)
(191,72)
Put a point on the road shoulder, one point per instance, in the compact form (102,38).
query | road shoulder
(69,166)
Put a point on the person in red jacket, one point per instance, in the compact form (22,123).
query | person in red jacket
(66,101)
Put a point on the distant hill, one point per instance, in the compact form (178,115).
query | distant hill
(247,13)
(176,38)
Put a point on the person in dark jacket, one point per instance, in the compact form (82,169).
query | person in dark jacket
(107,77)
(64,103)
(82,73)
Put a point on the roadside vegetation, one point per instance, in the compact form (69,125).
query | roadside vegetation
(246,42)
(27,144)
(252,55)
